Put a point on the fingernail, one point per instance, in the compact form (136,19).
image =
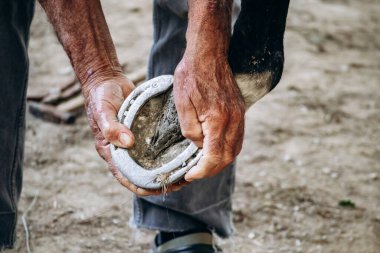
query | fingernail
(125,139)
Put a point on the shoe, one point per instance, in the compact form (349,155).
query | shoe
(190,243)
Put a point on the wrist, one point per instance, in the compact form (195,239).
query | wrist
(97,72)
(97,75)
(209,28)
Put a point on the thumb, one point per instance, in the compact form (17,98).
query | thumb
(113,131)
(104,104)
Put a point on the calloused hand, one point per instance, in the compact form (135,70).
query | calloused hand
(103,98)
(210,109)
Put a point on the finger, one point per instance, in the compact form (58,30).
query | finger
(212,159)
(178,186)
(103,105)
(188,119)
(105,153)
(206,167)
(113,131)
(234,135)
(133,188)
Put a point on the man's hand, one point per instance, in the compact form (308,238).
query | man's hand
(83,32)
(211,111)
(104,96)
(209,103)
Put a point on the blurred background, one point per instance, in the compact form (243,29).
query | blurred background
(308,178)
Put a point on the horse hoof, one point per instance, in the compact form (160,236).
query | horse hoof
(161,155)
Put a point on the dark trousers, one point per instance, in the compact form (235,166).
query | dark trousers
(15,19)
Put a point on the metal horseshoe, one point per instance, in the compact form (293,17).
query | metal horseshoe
(173,170)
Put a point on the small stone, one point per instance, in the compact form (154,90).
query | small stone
(326,170)
(304,109)
(183,164)
(132,101)
(334,175)
(373,176)
(251,235)
(287,158)
(344,68)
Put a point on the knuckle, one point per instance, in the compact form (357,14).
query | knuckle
(190,134)
(187,133)
(99,149)
(237,112)
(180,71)
(229,154)
(109,133)
(229,158)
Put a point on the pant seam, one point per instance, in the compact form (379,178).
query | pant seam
(138,211)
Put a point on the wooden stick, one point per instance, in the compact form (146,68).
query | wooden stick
(62,95)
(50,113)
(73,101)
(71,105)
(52,93)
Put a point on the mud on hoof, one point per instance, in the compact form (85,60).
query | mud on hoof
(161,155)
(256,53)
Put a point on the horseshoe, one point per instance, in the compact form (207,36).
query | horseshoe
(167,173)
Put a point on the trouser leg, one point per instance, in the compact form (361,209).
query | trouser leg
(15,19)
(202,203)
(258,35)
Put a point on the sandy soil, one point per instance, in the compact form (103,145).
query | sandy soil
(313,142)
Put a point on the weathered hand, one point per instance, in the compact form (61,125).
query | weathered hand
(87,41)
(210,109)
(104,97)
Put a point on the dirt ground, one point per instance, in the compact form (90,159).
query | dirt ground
(310,144)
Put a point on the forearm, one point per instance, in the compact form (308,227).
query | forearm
(209,28)
(83,32)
